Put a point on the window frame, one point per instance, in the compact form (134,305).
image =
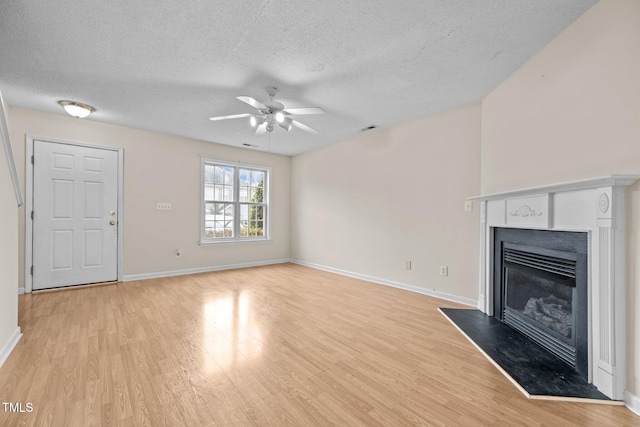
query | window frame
(205,161)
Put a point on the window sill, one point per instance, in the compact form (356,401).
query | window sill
(231,241)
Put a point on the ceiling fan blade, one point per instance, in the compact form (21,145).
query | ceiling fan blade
(303,127)
(262,129)
(302,111)
(255,104)
(233,116)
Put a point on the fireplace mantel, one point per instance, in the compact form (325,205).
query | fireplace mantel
(584,184)
(596,206)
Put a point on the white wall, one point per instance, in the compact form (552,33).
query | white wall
(8,257)
(163,168)
(369,204)
(573,112)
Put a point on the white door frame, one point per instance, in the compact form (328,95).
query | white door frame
(28,221)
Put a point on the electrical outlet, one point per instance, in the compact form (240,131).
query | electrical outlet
(407,265)
(163,206)
(444,270)
(178,253)
(468,206)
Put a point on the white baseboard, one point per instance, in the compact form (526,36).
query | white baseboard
(143,276)
(20,291)
(417,289)
(632,402)
(6,350)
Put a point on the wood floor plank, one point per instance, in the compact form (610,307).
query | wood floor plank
(281,345)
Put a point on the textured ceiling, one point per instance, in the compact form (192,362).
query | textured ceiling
(168,66)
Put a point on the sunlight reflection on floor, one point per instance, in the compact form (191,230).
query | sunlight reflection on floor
(230,336)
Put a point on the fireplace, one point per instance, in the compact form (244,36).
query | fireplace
(541,289)
(594,208)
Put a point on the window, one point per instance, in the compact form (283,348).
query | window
(235,202)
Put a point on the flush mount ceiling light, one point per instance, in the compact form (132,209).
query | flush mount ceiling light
(77,109)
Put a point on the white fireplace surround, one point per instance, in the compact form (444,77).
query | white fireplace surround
(596,206)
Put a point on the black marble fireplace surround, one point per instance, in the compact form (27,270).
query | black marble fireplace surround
(540,290)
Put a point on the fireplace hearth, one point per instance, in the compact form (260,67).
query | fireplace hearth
(541,289)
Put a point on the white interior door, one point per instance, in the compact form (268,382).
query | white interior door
(75,223)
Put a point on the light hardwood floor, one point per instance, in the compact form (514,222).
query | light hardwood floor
(276,345)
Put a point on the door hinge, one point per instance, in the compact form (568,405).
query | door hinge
(33,160)
(31,214)
(32,270)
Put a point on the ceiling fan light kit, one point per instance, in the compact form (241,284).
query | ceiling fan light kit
(271,113)
(286,124)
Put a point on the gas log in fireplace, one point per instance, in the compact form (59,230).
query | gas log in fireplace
(541,289)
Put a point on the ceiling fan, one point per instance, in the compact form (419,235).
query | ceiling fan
(271,113)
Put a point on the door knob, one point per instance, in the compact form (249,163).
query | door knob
(112,213)
(112,222)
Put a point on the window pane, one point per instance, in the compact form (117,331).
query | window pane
(244,215)
(258,185)
(209,173)
(251,220)
(244,220)
(256,213)
(228,175)
(243,194)
(228,193)
(259,228)
(208,191)
(256,220)
(222,179)
(218,177)
(243,175)
(218,220)
(228,220)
